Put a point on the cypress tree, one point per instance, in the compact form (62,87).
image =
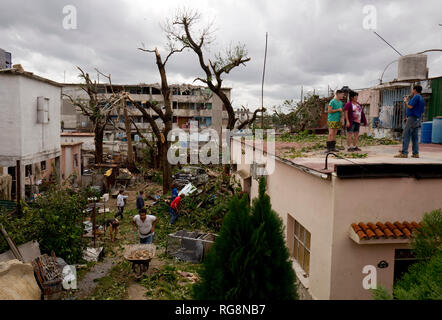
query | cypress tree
(249,259)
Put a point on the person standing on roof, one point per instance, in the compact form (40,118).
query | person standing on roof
(140,200)
(335,119)
(415,109)
(354,116)
(120,204)
(175,208)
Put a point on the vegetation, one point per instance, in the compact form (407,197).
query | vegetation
(249,259)
(423,281)
(168,284)
(302,115)
(113,286)
(55,220)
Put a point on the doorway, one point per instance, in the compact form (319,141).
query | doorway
(403,259)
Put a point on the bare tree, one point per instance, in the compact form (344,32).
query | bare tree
(180,29)
(166,116)
(98,108)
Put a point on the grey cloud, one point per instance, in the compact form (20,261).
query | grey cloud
(311,43)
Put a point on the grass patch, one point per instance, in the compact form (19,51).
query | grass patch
(113,286)
(168,284)
(353,155)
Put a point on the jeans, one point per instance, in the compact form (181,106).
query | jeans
(119,212)
(148,239)
(411,132)
(173,216)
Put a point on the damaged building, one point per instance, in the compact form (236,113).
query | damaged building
(30,146)
(189,103)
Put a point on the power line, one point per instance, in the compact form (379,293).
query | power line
(387,43)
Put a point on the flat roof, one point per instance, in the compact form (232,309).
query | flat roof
(78,134)
(71,144)
(378,162)
(30,75)
(155,85)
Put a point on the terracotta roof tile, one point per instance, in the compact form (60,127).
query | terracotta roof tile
(385,230)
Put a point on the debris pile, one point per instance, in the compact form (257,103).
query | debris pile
(140,254)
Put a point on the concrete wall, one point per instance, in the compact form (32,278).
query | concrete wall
(308,199)
(399,199)
(328,208)
(10,122)
(69,153)
(27,140)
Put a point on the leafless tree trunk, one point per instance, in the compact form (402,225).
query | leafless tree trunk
(180,29)
(130,152)
(97,108)
(166,116)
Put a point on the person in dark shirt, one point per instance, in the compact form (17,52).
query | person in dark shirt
(415,109)
(140,200)
(174,193)
(113,225)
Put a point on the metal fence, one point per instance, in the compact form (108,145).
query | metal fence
(189,246)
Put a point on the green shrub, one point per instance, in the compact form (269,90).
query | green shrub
(55,220)
(249,259)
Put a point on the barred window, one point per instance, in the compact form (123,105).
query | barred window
(301,247)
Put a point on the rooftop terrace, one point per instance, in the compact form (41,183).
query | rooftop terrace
(375,160)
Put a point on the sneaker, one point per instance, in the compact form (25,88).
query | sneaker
(401,155)
(356,149)
(350,149)
(415,155)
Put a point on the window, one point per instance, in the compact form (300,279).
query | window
(175,105)
(208,106)
(301,246)
(43,165)
(28,170)
(156,91)
(76,160)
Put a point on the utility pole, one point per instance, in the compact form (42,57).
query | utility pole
(262,85)
(130,154)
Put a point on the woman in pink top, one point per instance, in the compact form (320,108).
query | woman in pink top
(354,116)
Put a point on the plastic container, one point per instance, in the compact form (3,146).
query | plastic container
(436,135)
(426,132)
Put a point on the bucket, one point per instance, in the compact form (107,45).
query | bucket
(426,132)
(436,135)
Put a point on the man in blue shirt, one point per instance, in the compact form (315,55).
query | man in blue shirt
(140,201)
(415,109)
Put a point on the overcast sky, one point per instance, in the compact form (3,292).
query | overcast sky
(314,43)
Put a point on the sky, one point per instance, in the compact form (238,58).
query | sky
(315,44)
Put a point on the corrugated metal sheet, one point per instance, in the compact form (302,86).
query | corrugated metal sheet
(435,105)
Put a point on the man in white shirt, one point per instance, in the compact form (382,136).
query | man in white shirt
(146,226)
(120,204)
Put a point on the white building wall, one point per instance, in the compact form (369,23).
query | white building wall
(39,140)
(10,121)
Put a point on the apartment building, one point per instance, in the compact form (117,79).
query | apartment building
(189,103)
